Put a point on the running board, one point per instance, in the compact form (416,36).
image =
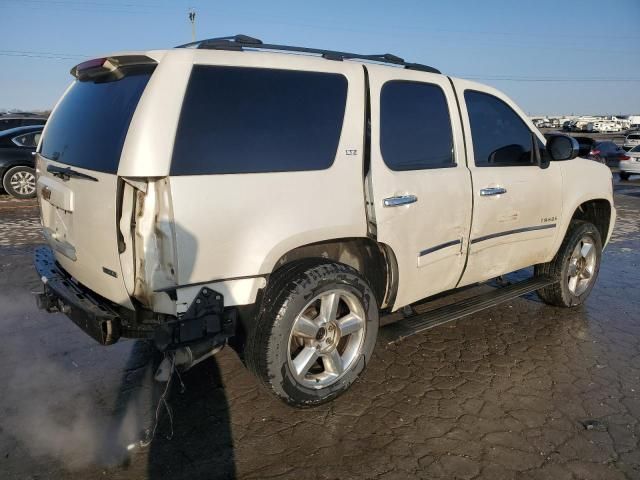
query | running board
(423,321)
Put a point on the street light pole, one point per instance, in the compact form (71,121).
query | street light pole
(192,19)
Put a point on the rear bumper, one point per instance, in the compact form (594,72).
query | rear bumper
(94,315)
(104,321)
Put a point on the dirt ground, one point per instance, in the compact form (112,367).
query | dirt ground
(522,391)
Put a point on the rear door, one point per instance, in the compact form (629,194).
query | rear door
(77,182)
(420,185)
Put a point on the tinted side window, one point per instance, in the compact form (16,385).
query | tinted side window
(415,128)
(500,137)
(252,120)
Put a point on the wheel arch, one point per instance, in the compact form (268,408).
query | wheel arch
(598,212)
(375,261)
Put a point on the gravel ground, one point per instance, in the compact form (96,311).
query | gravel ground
(522,391)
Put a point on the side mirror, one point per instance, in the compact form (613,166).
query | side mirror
(562,147)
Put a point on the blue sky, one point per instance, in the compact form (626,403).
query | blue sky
(563,56)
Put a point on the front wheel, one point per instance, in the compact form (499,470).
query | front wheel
(575,266)
(316,332)
(20,182)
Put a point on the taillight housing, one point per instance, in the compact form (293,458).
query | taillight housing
(594,152)
(625,157)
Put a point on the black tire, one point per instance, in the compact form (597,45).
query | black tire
(15,174)
(560,293)
(624,175)
(269,352)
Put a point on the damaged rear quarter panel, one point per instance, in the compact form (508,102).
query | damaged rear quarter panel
(150,251)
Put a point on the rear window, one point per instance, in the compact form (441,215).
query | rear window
(254,120)
(633,137)
(89,126)
(606,147)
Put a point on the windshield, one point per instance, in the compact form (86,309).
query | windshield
(89,126)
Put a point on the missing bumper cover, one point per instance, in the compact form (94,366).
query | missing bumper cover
(206,317)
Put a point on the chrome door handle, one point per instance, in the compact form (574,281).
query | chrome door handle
(486,192)
(400,200)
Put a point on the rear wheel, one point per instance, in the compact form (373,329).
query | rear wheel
(624,175)
(575,266)
(20,182)
(315,333)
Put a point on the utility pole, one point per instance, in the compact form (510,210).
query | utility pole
(192,19)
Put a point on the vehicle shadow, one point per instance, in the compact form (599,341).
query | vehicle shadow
(194,441)
(201,445)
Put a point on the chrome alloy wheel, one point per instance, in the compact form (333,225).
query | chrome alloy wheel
(326,338)
(582,265)
(23,183)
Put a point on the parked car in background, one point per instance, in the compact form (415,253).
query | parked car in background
(632,165)
(632,140)
(608,153)
(12,121)
(16,160)
(602,151)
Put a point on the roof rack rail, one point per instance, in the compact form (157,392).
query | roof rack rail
(240,42)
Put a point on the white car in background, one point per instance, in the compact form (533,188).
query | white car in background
(632,140)
(631,166)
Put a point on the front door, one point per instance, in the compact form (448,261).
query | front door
(420,187)
(516,203)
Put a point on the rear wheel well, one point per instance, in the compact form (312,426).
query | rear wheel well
(597,212)
(374,261)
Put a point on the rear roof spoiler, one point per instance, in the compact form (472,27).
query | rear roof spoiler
(111,66)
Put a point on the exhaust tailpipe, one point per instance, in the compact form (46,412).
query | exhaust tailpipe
(184,358)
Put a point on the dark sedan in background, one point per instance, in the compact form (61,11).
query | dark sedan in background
(16,160)
(603,151)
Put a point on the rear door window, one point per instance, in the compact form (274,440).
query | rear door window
(500,136)
(89,126)
(256,120)
(415,127)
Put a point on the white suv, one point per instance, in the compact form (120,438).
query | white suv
(232,192)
